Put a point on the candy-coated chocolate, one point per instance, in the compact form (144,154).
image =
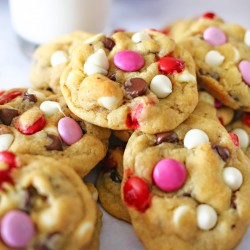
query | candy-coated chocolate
(244,67)
(8,158)
(137,194)
(209,15)
(214,36)
(5,98)
(170,65)
(17,229)
(169,175)
(69,130)
(128,60)
(235,139)
(246,119)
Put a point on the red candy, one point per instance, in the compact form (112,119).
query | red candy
(170,65)
(209,15)
(5,98)
(246,119)
(132,122)
(137,194)
(37,126)
(235,139)
(5,174)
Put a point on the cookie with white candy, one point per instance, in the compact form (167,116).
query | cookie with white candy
(37,124)
(46,205)
(123,82)
(188,188)
(50,59)
(222,57)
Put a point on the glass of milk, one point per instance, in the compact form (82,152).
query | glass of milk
(39,21)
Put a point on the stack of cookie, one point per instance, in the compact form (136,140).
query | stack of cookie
(178,176)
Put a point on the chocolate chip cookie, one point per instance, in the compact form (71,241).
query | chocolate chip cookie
(44,205)
(130,81)
(34,124)
(222,56)
(188,188)
(50,59)
(109,184)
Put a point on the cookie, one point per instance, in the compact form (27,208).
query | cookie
(44,205)
(222,56)
(50,59)
(35,124)
(241,128)
(109,184)
(125,81)
(188,188)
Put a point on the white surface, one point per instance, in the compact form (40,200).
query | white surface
(132,15)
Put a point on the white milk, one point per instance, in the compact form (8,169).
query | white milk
(39,21)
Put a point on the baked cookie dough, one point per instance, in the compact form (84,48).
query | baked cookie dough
(34,124)
(109,184)
(221,53)
(49,61)
(188,188)
(44,205)
(130,81)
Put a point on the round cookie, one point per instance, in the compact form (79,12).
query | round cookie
(188,188)
(44,205)
(35,124)
(109,184)
(222,57)
(125,81)
(49,61)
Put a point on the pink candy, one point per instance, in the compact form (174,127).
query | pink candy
(244,68)
(128,60)
(169,175)
(17,229)
(214,36)
(69,130)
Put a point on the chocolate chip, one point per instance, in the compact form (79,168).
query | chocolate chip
(7,115)
(135,87)
(114,175)
(222,152)
(112,77)
(108,43)
(56,143)
(233,204)
(186,194)
(170,137)
(29,97)
(233,226)
(109,162)
(214,74)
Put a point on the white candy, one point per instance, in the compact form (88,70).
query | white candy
(140,36)
(94,38)
(179,212)
(97,63)
(51,130)
(38,94)
(58,57)
(236,55)
(194,138)
(206,217)
(185,76)
(49,107)
(161,86)
(5,141)
(242,136)
(109,102)
(232,177)
(247,38)
(214,58)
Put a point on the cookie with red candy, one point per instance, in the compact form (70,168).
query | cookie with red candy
(222,57)
(130,81)
(45,205)
(188,188)
(49,60)
(39,123)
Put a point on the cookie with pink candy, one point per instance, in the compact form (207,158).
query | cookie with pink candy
(188,188)
(131,81)
(45,205)
(221,52)
(35,124)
